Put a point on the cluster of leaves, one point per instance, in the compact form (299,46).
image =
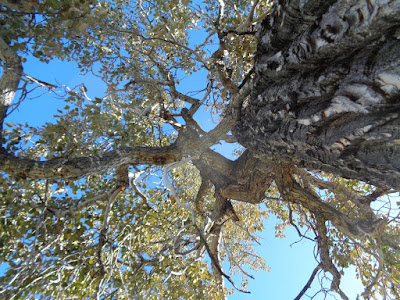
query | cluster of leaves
(53,238)
(78,238)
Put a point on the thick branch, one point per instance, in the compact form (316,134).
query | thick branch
(205,185)
(82,166)
(245,179)
(214,252)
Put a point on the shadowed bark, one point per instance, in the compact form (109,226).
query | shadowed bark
(326,95)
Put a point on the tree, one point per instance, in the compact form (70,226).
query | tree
(309,88)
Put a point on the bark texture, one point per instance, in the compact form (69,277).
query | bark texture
(78,167)
(325,96)
(9,79)
(326,89)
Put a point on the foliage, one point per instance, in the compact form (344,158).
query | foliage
(122,232)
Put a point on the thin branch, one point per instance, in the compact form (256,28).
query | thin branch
(81,206)
(380,258)
(232,115)
(185,206)
(104,229)
(40,82)
(122,183)
(247,232)
(362,202)
(249,19)
(295,226)
(215,262)
(198,57)
(193,52)
(197,105)
(138,192)
(235,262)
(309,282)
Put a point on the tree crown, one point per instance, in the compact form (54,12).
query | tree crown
(120,195)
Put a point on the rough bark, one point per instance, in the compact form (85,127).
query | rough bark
(245,179)
(293,192)
(75,168)
(325,96)
(326,92)
(12,69)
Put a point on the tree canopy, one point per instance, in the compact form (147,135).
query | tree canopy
(122,196)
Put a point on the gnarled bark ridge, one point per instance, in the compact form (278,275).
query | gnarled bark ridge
(324,95)
(326,89)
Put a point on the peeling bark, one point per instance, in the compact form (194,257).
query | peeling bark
(12,69)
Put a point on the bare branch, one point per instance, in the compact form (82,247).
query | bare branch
(294,225)
(309,282)
(39,82)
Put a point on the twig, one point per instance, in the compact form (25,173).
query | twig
(309,282)
(235,262)
(295,226)
(249,19)
(214,261)
(247,231)
(185,206)
(39,82)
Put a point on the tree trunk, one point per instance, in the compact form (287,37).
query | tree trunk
(326,89)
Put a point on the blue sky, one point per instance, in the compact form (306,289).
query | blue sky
(291,265)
